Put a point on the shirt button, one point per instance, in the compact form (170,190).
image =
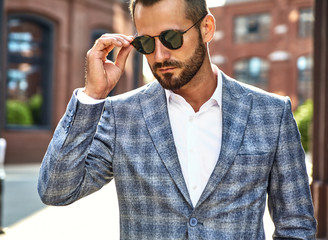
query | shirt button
(193,222)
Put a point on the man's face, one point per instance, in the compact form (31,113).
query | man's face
(189,68)
(172,68)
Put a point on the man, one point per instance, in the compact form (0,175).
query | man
(193,154)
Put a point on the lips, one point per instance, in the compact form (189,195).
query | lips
(166,69)
(166,66)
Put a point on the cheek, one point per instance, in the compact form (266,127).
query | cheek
(148,60)
(190,44)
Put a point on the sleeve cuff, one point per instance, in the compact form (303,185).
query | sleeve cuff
(85,99)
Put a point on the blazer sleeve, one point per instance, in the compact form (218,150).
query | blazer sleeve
(78,160)
(289,197)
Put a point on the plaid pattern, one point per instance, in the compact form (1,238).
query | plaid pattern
(129,138)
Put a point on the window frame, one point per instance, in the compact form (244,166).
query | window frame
(256,38)
(302,31)
(302,82)
(47,66)
(246,62)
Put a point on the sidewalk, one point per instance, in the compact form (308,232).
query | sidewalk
(94,217)
(20,197)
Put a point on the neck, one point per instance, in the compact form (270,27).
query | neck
(201,88)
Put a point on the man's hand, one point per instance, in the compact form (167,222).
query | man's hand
(101,74)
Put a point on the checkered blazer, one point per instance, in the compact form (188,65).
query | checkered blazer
(129,138)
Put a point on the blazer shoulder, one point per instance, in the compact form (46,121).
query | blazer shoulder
(260,96)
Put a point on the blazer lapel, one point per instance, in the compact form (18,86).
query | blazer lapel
(236,106)
(154,106)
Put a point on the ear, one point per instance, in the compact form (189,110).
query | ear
(208,28)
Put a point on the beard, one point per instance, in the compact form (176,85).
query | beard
(190,67)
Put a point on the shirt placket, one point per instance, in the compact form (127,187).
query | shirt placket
(193,166)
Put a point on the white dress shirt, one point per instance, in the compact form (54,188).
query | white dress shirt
(197,136)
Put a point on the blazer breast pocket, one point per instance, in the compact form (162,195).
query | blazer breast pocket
(253,159)
(248,177)
(251,169)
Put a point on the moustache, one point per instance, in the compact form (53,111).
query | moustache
(166,64)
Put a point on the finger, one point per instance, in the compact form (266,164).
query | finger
(118,40)
(122,56)
(104,45)
(107,35)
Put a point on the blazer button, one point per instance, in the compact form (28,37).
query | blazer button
(193,222)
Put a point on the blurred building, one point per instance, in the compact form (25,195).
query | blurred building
(267,43)
(46,46)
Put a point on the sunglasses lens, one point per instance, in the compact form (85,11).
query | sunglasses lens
(171,39)
(144,44)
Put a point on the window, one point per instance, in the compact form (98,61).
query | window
(304,66)
(252,71)
(29,72)
(252,28)
(305,23)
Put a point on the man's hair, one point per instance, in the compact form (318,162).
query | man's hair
(194,9)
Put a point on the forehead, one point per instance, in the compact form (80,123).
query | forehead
(163,15)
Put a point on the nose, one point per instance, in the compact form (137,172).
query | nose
(161,53)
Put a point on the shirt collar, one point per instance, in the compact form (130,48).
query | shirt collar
(217,95)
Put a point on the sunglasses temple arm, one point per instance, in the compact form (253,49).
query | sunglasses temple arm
(195,23)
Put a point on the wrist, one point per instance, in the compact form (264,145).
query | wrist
(94,94)
(85,99)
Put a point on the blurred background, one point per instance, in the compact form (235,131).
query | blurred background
(266,43)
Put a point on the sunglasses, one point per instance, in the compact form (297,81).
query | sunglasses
(172,39)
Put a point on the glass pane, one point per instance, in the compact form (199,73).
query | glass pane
(252,28)
(24,94)
(252,71)
(28,41)
(306,22)
(24,38)
(304,65)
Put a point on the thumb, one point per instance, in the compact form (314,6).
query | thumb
(122,56)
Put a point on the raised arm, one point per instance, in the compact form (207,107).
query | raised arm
(78,159)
